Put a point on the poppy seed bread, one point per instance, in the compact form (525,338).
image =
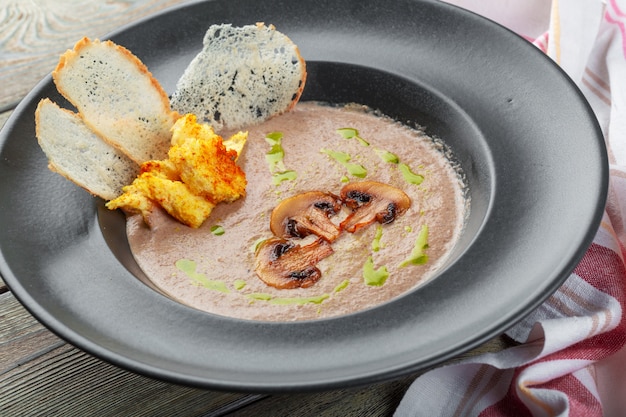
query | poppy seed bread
(117,97)
(77,153)
(242,76)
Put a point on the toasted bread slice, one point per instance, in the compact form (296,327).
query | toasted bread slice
(117,97)
(77,153)
(242,76)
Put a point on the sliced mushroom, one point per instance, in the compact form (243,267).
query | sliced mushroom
(305,214)
(372,201)
(283,264)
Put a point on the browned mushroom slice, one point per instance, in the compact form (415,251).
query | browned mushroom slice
(305,214)
(372,201)
(283,264)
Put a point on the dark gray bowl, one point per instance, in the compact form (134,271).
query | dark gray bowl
(527,140)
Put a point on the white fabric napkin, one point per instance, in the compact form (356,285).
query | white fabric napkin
(572,356)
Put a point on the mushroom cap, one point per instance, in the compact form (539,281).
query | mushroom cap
(372,201)
(283,264)
(305,214)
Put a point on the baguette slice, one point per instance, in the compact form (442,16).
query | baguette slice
(117,97)
(77,153)
(242,76)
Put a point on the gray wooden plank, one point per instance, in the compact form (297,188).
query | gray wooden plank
(3,118)
(34,34)
(41,374)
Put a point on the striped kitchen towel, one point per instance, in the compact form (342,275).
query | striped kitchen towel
(571,360)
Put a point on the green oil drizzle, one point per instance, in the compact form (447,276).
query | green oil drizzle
(376,242)
(417,256)
(409,176)
(342,285)
(288,175)
(374,277)
(318,299)
(260,296)
(275,155)
(274,158)
(351,133)
(356,170)
(239,284)
(256,244)
(386,156)
(343,158)
(189,268)
(217,230)
(274,137)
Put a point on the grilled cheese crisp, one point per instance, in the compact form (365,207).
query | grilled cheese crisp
(201,171)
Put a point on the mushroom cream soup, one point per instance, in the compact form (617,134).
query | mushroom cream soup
(324,149)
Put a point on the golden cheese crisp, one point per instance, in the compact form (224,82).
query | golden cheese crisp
(200,172)
(204,163)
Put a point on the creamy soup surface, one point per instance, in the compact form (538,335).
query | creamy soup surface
(212,268)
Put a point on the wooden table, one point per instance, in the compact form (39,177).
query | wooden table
(40,374)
